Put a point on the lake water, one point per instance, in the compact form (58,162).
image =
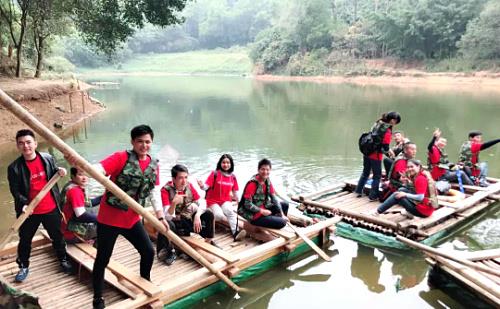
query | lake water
(310,132)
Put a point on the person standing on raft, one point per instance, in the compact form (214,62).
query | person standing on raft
(27,175)
(382,132)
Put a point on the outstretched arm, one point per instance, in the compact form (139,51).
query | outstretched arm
(489,144)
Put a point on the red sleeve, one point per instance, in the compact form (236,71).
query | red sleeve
(434,155)
(196,196)
(210,180)
(235,184)
(475,147)
(421,185)
(399,167)
(114,163)
(165,197)
(250,190)
(387,137)
(271,189)
(75,198)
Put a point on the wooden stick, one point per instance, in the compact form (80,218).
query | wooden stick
(37,126)
(311,244)
(31,206)
(431,250)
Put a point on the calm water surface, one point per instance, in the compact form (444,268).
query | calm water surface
(310,132)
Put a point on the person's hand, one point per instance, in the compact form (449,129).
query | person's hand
(391,153)
(437,133)
(165,224)
(200,183)
(61,171)
(400,195)
(197,224)
(178,199)
(25,208)
(265,212)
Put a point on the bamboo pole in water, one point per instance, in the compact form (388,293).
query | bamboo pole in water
(43,131)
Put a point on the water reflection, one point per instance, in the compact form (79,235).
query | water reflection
(366,266)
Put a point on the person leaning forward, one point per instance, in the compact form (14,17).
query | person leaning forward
(27,175)
(136,172)
(185,211)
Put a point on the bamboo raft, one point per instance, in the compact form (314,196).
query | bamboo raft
(483,285)
(180,284)
(380,231)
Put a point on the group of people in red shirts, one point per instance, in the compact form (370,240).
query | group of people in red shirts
(408,183)
(177,204)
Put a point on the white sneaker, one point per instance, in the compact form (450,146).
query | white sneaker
(407,214)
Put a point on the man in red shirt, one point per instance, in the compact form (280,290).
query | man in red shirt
(78,223)
(469,157)
(184,207)
(27,175)
(397,173)
(136,173)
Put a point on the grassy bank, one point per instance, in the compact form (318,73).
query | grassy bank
(233,61)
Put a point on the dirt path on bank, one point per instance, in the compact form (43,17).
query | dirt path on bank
(56,103)
(479,81)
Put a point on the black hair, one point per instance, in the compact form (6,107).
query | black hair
(473,134)
(25,132)
(178,168)
(141,130)
(400,132)
(73,171)
(219,164)
(407,144)
(387,117)
(415,162)
(264,162)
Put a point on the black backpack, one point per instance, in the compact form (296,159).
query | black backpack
(367,144)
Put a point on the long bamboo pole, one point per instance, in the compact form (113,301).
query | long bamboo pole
(310,243)
(31,206)
(462,261)
(43,131)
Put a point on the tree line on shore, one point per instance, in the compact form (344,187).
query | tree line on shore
(295,37)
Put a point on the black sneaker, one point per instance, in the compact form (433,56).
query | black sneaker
(67,267)
(170,258)
(98,303)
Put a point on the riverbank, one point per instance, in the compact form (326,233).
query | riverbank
(58,104)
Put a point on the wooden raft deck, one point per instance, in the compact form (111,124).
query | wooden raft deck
(124,288)
(357,211)
(483,285)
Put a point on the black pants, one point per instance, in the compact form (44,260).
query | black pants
(184,227)
(52,223)
(273,221)
(106,238)
(451,176)
(387,166)
(374,166)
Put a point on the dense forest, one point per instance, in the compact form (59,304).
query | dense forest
(295,37)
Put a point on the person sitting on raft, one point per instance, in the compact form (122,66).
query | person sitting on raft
(438,163)
(382,131)
(399,141)
(79,223)
(418,197)
(259,204)
(221,189)
(469,157)
(185,212)
(398,169)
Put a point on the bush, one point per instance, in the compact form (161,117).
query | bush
(59,64)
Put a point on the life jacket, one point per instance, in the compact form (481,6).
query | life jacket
(465,156)
(86,230)
(182,209)
(370,142)
(396,183)
(431,190)
(443,160)
(134,182)
(259,198)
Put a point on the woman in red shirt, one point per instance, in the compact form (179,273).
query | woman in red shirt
(382,132)
(415,203)
(221,189)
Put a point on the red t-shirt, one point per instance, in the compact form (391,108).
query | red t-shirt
(475,148)
(220,191)
(165,196)
(38,180)
(399,167)
(420,184)
(434,157)
(109,215)
(250,190)
(75,198)
(385,141)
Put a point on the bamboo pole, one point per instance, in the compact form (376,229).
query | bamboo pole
(462,261)
(31,206)
(310,243)
(37,126)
